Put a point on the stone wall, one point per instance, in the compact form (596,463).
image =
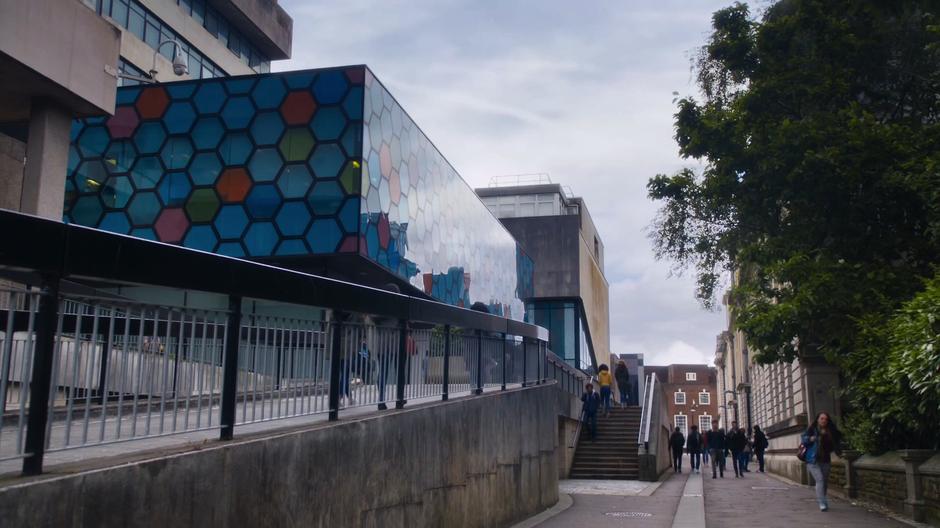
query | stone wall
(482,461)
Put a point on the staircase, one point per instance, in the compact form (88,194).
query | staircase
(613,456)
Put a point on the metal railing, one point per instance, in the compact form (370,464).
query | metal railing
(85,360)
(646,407)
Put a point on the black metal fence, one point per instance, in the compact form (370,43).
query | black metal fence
(90,357)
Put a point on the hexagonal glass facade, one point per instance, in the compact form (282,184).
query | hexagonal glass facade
(313,162)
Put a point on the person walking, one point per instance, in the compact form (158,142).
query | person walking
(622,375)
(677,442)
(592,402)
(716,441)
(822,438)
(736,442)
(760,445)
(605,380)
(748,449)
(705,448)
(693,445)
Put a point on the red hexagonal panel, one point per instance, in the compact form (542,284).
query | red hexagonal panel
(233,185)
(298,108)
(384,231)
(123,123)
(152,102)
(385,159)
(171,225)
(350,244)
(355,75)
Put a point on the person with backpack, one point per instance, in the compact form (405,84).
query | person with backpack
(677,442)
(591,403)
(716,441)
(622,375)
(605,380)
(693,445)
(760,445)
(821,439)
(736,443)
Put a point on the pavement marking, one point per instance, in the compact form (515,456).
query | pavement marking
(564,502)
(691,509)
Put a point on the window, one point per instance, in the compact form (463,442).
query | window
(680,398)
(682,423)
(704,422)
(704,398)
(690,376)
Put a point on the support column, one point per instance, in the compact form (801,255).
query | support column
(42,376)
(849,456)
(47,156)
(914,506)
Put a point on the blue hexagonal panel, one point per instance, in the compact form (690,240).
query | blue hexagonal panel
(237,112)
(231,221)
(261,239)
(262,202)
(327,159)
(293,218)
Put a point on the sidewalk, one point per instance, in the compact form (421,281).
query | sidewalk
(761,500)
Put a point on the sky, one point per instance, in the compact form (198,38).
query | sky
(582,91)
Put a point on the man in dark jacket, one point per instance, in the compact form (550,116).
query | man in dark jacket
(693,445)
(592,402)
(622,375)
(717,445)
(736,442)
(760,445)
(677,442)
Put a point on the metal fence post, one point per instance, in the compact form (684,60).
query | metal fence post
(230,374)
(503,362)
(538,363)
(403,353)
(42,376)
(336,352)
(525,352)
(479,389)
(445,388)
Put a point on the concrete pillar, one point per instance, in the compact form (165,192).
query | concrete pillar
(822,386)
(914,506)
(47,156)
(12,154)
(849,456)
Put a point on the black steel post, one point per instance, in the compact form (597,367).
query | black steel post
(336,352)
(503,362)
(525,352)
(445,388)
(403,353)
(103,368)
(539,368)
(42,376)
(230,374)
(479,380)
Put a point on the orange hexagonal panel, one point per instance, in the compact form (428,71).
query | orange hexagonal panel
(233,185)
(298,108)
(152,102)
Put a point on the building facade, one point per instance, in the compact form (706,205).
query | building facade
(691,394)
(570,291)
(781,398)
(316,170)
(62,59)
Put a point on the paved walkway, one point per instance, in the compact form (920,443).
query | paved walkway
(630,508)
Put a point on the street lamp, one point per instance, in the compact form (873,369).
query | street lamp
(732,403)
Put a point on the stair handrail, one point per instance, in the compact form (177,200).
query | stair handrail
(646,411)
(577,433)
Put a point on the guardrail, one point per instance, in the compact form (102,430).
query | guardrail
(646,411)
(86,361)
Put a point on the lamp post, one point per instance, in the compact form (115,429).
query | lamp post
(732,403)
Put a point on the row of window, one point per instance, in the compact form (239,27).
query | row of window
(147,27)
(704,398)
(129,69)
(682,422)
(524,205)
(219,27)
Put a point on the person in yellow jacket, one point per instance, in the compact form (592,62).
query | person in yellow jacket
(605,380)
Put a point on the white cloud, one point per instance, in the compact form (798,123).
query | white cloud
(519,87)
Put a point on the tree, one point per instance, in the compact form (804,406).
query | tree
(818,128)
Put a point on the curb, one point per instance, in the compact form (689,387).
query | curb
(564,502)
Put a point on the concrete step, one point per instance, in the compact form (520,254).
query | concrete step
(606,476)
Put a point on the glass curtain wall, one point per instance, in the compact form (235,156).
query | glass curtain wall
(568,338)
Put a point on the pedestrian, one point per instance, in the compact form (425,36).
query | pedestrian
(760,445)
(705,448)
(622,375)
(736,443)
(677,442)
(748,449)
(605,380)
(592,402)
(822,438)
(717,444)
(693,445)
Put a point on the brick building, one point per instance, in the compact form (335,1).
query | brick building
(691,394)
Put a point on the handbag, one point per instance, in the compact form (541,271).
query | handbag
(801,452)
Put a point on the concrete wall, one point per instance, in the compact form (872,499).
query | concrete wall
(483,461)
(553,244)
(594,292)
(12,155)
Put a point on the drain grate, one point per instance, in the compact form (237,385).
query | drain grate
(629,514)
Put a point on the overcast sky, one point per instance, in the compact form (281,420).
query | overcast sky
(579,90)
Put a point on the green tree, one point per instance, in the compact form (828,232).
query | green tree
(817,126)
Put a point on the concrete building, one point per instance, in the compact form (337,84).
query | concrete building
(570,289)
(691,392)
(63,59)
(779,397)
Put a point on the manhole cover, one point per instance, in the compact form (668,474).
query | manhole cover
(628,514)
(769,488)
